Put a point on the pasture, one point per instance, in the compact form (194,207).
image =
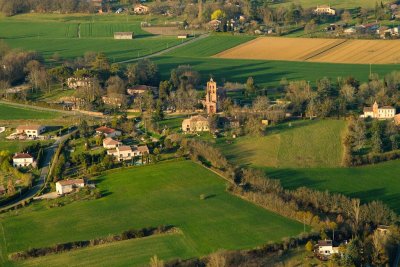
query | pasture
(317,50)
(372,182)
(12,112)
(300,144)
(166,193)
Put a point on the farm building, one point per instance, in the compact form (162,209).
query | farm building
(123,35)
(67,186)
(107,132)
(325,10)
(141,89)
(195,124)
(183,36)
(110,143)
(386,112)
(141,9)
(23,160)
(116,100)
(32,131)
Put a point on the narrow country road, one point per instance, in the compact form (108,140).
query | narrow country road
(44,171)
(159,53)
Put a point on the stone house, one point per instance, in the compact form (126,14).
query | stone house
(376,112)
(195,124)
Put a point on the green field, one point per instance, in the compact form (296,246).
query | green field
(60,34)
(373,182)
(11,112)
(297,144)
(136,252)
(166,194)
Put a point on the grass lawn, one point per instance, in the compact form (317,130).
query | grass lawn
(11,112)
(136,252)
(372,182)
(303,144)
(167,193)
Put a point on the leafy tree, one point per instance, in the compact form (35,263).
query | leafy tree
(156,262)
(218,14)
(309,246)
(250,86)
(10,188)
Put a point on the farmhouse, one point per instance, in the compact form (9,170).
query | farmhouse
(195,124)
(386,112)
(214,97)
(326,248)
(325,10)
(115,100)
(140,9)
(107,132)
(32,131)
(75,83)
(23,160)
(109,143)
(123,35)
(67,186)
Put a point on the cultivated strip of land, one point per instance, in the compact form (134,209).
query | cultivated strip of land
(318,50)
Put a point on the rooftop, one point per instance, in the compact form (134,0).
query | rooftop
(22,156)
(71,182)
(105,129)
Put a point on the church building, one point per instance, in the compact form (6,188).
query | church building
(214,97)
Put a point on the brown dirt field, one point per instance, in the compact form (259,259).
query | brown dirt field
(170,30)
(318,50)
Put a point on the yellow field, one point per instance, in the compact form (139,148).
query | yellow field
(318,50)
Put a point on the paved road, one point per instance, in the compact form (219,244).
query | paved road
(167,50)
(44,171)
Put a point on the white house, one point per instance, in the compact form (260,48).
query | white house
(109,143)
(75,83)
(386,112)
(107,132)
(326,248)
(23,160)
(67,186)
(325,10)
(31,130)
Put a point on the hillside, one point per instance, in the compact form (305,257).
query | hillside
(298,144)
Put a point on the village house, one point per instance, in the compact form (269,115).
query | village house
(32,131)
(195,124)
(326,248)
(214,97)
(109,143)
(67,186)
(386,112)
(123,153)
(369,28)
(140,9)
(325,10)
(183,36)
(23,160)
(350,31)
(123,35)
(75,83)
(107,132)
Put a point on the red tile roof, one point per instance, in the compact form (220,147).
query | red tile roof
(22,156)
(105,129)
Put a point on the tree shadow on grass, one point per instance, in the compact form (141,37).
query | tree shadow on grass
(292,179)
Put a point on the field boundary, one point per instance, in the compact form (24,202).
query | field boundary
(325,49)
